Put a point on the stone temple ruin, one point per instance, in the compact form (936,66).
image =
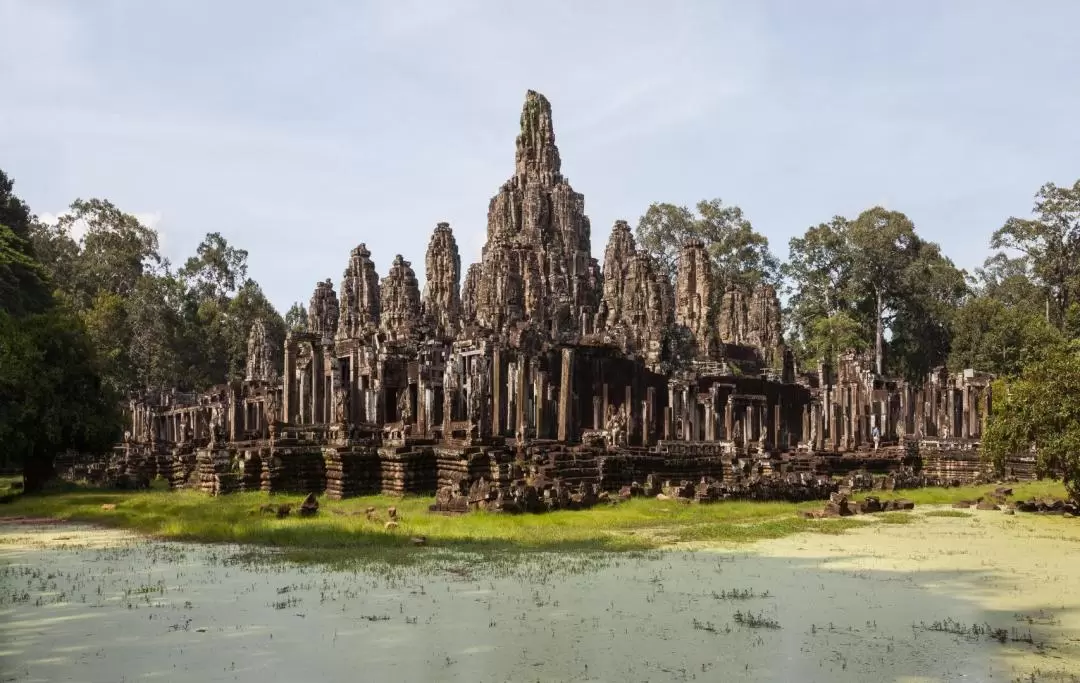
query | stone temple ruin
(542,378)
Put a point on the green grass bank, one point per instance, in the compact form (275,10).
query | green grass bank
(342,529)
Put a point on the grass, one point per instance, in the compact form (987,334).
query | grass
(341,531)
(948,495)
(947,513)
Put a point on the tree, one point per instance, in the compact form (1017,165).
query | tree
(116,250)
(51,395)
(23,281)
(818,284)
(740,255)
(834,334)
(217,268)
(1049,245)
(991,335)
(296,318)
(248,306)
(1041,411)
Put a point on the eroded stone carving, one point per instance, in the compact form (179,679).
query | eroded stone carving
(400,300)
(535,267)
(442,298)
(360,300)
(693,297)
(323,310)
(260,364)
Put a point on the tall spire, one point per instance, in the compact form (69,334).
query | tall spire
(537,156)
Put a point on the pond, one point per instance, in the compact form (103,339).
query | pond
(977,598)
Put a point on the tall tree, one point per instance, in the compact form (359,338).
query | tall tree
(740,255)
(872,282)
(51,395)
(296,318)
(1049,245)
(1041,410)
(116,249)
(818,284)
(23,280)
(217,269)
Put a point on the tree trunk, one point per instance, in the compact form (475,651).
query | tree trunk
(879,337)
(37,470)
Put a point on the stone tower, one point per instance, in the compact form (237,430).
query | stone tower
(537,266)
(400,293)
(359,296)
(442,297)
(323,310)
(693,296)
(260,364)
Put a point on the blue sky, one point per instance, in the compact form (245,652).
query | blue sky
(299,130)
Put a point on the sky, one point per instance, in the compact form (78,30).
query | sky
(299,130)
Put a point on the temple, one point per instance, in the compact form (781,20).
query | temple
(542,376)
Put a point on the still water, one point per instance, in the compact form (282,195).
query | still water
(85,604)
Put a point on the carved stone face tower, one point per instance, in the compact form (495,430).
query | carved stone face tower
(260,364)
(400,300)
(360,304)
(693,296)
(442,299)
(537,266)
(323,310)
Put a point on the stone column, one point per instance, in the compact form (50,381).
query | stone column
(631,412)
(648,417)
(318,385)
(965,407)
(689,411)
(710,418)
(236,411)
(729,419)
(604,405)
(540,392)
(598,412)
(566,396)
(519,399)
(777,445)
(288,382)
(496,393)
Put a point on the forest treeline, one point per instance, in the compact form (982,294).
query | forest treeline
(86,321)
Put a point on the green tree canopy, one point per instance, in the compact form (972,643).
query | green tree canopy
(1049,247)
(1041,410)
(740,255)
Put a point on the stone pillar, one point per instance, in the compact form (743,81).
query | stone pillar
(519,398)
(288,382)
(710,417)
(987,405)
(605,404)
(965,408)
(950,412)
(729,419)
(236,412)
(689,410)
(631,412)
(598,412)
(318,382)
(496,393)
(748,424)
(777,445)
(648,418)
(540,392)
(566,396)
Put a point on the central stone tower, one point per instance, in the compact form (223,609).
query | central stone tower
(537,269)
